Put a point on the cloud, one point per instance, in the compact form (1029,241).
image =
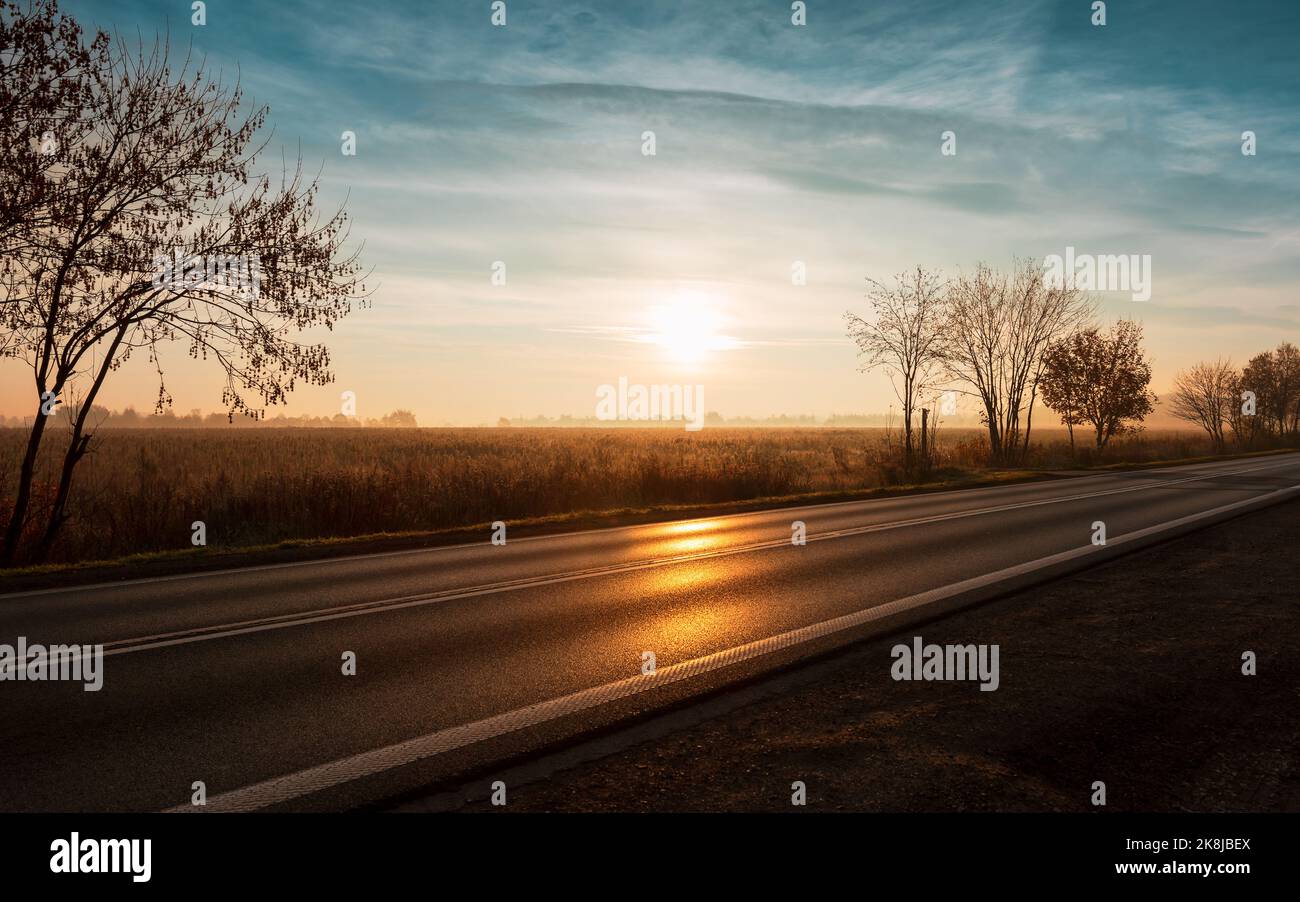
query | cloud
(819,144)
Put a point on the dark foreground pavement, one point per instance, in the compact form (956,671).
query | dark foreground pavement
(1129,673)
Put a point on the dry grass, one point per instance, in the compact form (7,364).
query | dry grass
(141,489)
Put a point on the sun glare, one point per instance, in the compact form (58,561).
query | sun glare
(687,329)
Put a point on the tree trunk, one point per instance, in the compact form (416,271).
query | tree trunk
(18,516)
(76,450)
(925,428)
(995,439)
(907,430)
(1029,421)
(77,447)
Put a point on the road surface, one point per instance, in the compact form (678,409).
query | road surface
(474,654)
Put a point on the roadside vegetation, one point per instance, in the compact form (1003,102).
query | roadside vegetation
(141,490)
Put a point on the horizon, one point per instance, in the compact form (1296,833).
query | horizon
(1159,420)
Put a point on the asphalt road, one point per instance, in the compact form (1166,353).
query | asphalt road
(471,655)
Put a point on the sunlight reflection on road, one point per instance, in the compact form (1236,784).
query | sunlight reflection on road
(693,618)
(688,538)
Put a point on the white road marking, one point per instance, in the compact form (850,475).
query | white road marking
(345,770)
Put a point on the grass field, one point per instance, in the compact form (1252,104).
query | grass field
(140,490)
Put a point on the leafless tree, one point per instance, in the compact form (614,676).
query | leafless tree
(903,337)
(998,328)
(155,229)
(1206,395)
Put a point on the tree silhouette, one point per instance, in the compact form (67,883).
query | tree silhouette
(998,330)
(1100,379)
(1274,377)
(1205,395)
(904,337)
(150,226)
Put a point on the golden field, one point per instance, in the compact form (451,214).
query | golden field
(141,489)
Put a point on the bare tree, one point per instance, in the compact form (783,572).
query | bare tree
(1106,374)
(999,326)
(157,229)
(1206,395)
(903,337)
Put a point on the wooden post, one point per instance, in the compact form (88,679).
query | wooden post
(925,436)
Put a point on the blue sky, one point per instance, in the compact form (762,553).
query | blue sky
(775,144)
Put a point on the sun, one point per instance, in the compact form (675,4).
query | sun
(687,329)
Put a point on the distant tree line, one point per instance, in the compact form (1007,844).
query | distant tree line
(103,418)
(714,418)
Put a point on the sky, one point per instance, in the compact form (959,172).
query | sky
(775,144)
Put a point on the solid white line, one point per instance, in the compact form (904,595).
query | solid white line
(254,568)
(345,770)
(360,609)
